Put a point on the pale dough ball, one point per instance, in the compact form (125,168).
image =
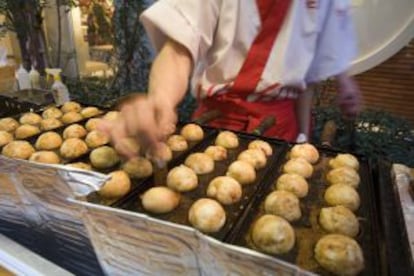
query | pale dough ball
(163,153)
(30,119)
(74,131)
(344,175)
(71,107)
(242,171)
(104,157)
(5,137)
(339,254)
(344,159)
(298,166)
(92,124)
(200,163)
(71,117)
(90,111)
(255,157)
(111,115)
(52,112)
(207,215)
(26,131)
(48,141)
(80,165)
(18,150)
(339,220)
(130,144)
(73,148)
(262,145)
(225,189)
(96,139)
(116,187)
(177,143)
(192,132)
(227,139)
(8,124)
(284,204)
(342,194)
(160,200)
(306,151)
(182,179)
(218,153)
(273,234)
(293,183)
(46,157)
(138,167)
(50,123)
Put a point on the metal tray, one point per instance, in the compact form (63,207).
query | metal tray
(233,212)
(307,229)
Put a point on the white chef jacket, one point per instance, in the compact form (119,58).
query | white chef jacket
(316,41)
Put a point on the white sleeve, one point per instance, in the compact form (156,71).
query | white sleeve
(192,23)
(337,44)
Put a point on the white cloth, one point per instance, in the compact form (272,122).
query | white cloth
(316,41)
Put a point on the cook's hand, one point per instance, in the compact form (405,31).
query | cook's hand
(144,118)
(349,98)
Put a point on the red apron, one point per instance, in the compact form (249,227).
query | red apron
(238,113)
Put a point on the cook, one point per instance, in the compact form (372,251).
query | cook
(248,59)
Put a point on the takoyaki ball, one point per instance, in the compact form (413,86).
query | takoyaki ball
(298,166)
(74,131)
(18,150)
(111,115)
(160,200)
(96,138)
(73,148)
(92,124)
(339,220)
(52,112)
(50,123)
(71,107)
(46,157)
(182,179)
(71,117)
(5,137)
(262,145)
(344,160)
(138,167)
(80,165)
(255,157)
(104,157)
(293,183)
(227,139)
(129,145)
(273,234)
(306,151)
(207,215)
(117,186)
(342,194)
(26,131)
(89,111)
(200,163)
(242,171)
(225,189)
(177,143)
(344,175)
(8,124)
(30,119)
(218,153)
(283,204)
(48,141)
(192,132)
(339,254)
(163,153)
